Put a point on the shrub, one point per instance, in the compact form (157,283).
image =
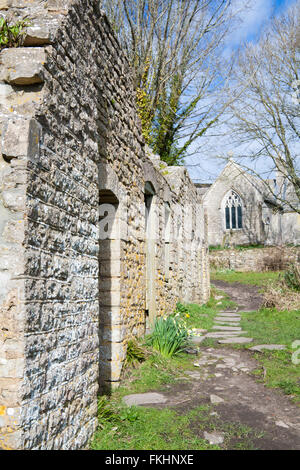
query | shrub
(170,335)
(134,354)
(292,277)
(12,35)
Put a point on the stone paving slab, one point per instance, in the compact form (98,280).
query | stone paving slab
(228,334)
(229,314)
(144,399)
(225,328)
(236,340)
(197,339)
(271,347)
(214,438)
(227,319)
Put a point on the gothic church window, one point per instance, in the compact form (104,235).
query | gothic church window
(233,211)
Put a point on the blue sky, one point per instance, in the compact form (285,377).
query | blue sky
(254,20)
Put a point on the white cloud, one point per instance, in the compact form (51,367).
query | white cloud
(252,17)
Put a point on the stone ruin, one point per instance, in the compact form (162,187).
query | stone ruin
(97,236)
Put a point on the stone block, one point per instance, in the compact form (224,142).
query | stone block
(5,4)
(22,66)
(40,32)
(20,138)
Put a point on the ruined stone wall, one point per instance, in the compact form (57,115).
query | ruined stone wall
(70,298)
(255,259)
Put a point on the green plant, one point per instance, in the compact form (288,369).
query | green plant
(292,277)
(12,34)
(182,309)
(170,335)
(129,414)
(106,413)
(134,354)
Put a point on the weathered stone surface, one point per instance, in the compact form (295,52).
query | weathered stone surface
(270,347)
(227,328)
(144,399)
(237,186)
(214,438)
(257,259)
(71,140)
(197,339)
(228,319)
(281,424)
(228,314)
(224,334)
(22,66)
(238,340)
(215,399)
(20,138)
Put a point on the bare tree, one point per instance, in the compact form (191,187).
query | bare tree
(265,110)
(174,47)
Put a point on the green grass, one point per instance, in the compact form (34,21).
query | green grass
(142,428)
(203,316)
(155,373)
(252,278)
(268,326)
(152,429)
(237,247)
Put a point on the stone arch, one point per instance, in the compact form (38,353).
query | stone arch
(150,251)
(112,348)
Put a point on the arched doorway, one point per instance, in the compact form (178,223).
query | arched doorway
(150,251)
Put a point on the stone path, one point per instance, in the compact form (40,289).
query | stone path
(227,329)
(223,379)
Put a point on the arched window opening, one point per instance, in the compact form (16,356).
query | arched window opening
(233,211)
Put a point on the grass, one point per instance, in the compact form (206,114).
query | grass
(268,326)
(141,428)
(203,316)
(253,278)
(152,429)
(237,247)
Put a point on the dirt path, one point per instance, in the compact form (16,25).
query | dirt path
(223,379)
(247,297)
(226,374)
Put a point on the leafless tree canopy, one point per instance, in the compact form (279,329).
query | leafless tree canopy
(174,47)
(265,111)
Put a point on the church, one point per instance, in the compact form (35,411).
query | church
(244,210)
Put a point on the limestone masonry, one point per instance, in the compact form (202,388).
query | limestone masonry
(97,236)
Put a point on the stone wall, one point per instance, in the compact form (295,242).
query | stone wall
(255,259)
(74,288)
